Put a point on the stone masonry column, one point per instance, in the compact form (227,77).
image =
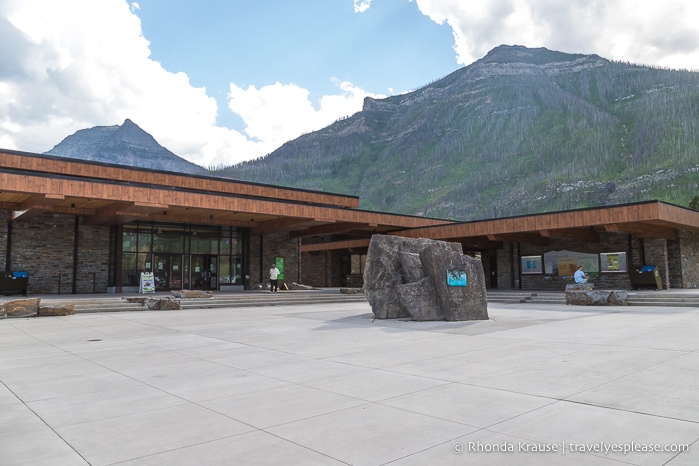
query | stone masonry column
(656,254)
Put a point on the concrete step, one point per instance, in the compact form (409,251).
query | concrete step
(111,303)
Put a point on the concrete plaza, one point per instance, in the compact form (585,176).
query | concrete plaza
(326,384)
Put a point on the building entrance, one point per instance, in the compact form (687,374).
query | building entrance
(167,271)
(204,271)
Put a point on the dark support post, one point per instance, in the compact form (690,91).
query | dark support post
(8,256)
(261,261)
(512,267)
(74,290)
(298,262)
(519,266)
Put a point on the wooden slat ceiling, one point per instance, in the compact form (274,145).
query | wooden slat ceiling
(100,201)
(651,219)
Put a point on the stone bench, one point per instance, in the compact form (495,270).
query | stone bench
(57,310)
(584,294)
(28,307)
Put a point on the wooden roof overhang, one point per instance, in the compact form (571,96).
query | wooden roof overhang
(109,194)
(650,219)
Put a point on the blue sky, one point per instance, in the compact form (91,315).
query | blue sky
(389,48)
(223,81)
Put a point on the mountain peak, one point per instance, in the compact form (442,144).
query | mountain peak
(127,144)
(507,54)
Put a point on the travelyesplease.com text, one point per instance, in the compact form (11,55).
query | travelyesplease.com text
(565,447)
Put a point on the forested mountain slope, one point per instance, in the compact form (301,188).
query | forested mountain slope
(519,131)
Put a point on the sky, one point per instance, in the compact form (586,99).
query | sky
(220,82)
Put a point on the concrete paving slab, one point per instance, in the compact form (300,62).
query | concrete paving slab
(252,449)
(668,390)
(320,383)
(19,419)
(7,397)
(580,424)
(370,434)
(103,442)
(485,448)
(281,405)
(568,374)
(214,386)
(70,385)
(375,385)
(474,406)
(70,410)
(46,448)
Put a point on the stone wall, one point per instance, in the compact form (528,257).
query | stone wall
(656,254)
(689,242)
(504,269)
(314,268)
(674,263)
(3,239)
(609,242)
(274,245)
(43,247)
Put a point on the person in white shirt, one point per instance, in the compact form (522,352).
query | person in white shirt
(580,276)
(273,274)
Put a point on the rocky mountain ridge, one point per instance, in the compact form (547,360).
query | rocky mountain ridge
(519,131)
(125,144)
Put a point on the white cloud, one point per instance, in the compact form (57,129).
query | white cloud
(278,113)
(360,6)
(640,31)
(76,64)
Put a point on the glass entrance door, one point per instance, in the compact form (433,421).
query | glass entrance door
(204,272)
(167,272)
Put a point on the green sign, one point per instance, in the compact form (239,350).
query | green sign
(280,265)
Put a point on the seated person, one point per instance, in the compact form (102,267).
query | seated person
(580,276)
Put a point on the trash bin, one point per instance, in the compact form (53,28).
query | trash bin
(14,282)
(646,277)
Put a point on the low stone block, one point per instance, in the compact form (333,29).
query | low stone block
(619,298)
(597,298)
(139,300)
(350,290)
(163,304)
(57,310)
(298,286)
(580,287)
(17,308)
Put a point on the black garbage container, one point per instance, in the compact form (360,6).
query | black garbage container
(646,277)
(14,282)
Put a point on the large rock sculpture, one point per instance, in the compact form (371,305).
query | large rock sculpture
(423,279)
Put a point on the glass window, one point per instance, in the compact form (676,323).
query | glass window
(128,269)
(205,242)
(225,273)
(237,270)
(168,241)
(237,243)
(226,242)
(130,240)
(144,238)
